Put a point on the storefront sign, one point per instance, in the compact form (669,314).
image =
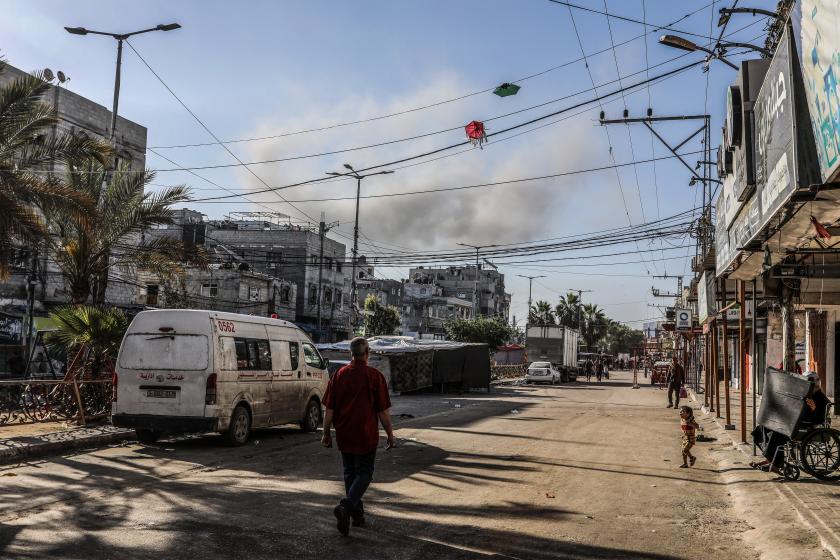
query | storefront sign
(775,169)
(683,320)
(705,297)
(816,25)
(11,329)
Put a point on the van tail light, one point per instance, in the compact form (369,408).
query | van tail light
(210,390)
(114,380)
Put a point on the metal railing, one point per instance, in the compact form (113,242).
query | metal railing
(29,401)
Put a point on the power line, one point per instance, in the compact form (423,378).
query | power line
(433,104)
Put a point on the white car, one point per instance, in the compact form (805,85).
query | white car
(542,372)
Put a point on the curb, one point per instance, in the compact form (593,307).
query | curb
(19,449)
(829,539)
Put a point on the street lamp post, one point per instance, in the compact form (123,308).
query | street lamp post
(353,173)
(475,287)
(677,42)
(120,37)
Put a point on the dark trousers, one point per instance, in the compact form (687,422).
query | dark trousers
(675,390)
(358,473)
(769,442)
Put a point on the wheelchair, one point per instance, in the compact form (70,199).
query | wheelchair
(813,448)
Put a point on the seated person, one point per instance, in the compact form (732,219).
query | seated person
(769,441)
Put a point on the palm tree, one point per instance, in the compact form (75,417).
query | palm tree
(541,314)
(93,333)
(29,146)
(595,324)
(111,236)
(568,310)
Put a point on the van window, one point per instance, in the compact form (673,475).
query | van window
(186,352)
(293,354)
(311,356)
(252,354)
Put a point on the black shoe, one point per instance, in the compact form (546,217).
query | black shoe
(359,521)
(343,517)
(669,406)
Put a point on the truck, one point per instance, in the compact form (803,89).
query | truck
(555,344)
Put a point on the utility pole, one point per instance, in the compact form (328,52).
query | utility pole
(476,299)
(580,305)
(323,228)
(528,320)
(353,173)
(31,280)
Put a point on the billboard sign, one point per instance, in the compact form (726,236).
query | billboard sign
(816,25)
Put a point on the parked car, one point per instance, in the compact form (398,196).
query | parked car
(542,372)
(184,371)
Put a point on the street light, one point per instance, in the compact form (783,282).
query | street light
(353,173)
(120,37)
(528,317)
(726,13)
(677,42)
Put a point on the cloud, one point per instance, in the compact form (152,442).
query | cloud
(508,213)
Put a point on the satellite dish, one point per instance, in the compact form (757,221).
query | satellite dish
(48,75)
(62,77)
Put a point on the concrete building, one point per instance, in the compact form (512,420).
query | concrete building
(425,310)
(386,291)
(459,282)
(76,115)
(236,289)
(268,243)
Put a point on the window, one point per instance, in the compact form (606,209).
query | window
(152,294)
(328,263)
(210,290)
(311,356)
(285,294)
(328,295)
(186,352)
(361,274)
(337,266)
(462,295)
(314,260)
(313,294)
(293,354)
(252,354)
(254,293)
(275,258)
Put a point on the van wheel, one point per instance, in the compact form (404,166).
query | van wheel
(240,426)
(312,418)
(147,436)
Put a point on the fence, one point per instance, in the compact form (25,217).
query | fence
(30,401)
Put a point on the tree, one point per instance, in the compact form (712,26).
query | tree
(96,332)
(541,313)
(86,247)
(28,146)
(594,326)
(380,319)
(621,338)
(493,332)
(568,310)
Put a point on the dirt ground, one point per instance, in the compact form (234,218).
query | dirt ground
(582,470)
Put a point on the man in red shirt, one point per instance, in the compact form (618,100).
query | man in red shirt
(356,396)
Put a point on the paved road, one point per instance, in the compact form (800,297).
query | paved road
(575,471)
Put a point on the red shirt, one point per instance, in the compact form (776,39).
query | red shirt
(357,394)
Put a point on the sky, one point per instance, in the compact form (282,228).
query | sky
(271,68)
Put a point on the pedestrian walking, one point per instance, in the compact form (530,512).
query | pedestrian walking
(689,427)
(588,367)
(599,369)
(356,397)
(676,377)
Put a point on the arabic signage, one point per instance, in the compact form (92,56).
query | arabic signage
(816,25)
(781,158)
(11,329)
(775,166)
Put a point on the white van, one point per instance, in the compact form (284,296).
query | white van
(184,371)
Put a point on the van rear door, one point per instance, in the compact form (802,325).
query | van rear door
(163,373)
